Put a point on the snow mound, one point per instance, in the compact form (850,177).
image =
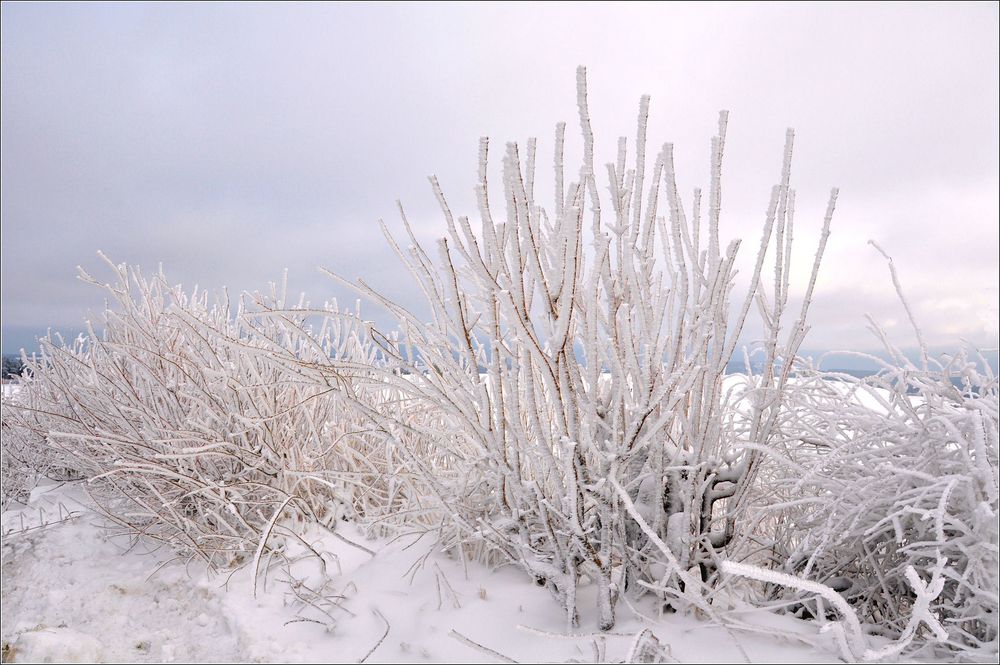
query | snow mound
(55,645)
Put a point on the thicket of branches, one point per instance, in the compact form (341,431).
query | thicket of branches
(578,354)
(886,489)
(188,424)
(565,409)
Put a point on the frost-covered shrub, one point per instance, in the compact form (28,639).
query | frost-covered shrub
(192,419)
(575,358)
(888,473)
(886,490)
(25,456)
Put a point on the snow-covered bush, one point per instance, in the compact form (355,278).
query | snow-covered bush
(25,458)
(576,357)
(192,421)
(880,479)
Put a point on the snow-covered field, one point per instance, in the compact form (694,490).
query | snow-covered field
(74,592)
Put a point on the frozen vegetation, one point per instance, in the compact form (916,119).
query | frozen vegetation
(551,465)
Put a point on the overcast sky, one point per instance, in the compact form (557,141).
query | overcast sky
(232,141)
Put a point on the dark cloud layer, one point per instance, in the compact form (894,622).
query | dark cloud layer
(232,141)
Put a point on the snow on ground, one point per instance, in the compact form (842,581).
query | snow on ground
(74,592)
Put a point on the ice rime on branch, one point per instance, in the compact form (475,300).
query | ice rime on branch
(572,352)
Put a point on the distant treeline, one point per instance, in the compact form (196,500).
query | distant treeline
(12,366)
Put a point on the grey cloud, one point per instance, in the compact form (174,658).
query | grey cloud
(232,141)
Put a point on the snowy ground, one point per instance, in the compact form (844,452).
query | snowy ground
(73,592)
